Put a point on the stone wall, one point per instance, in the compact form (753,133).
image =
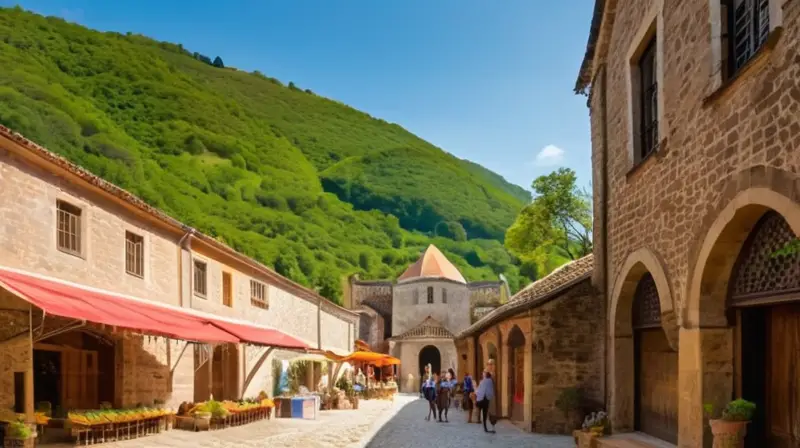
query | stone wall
(361,291)
(408,353)
(28,236)
(454,315)
(370,326)
(568,351)
(712,132)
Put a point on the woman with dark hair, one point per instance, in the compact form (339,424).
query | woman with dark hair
(483,396)
(443,398)
(429,391)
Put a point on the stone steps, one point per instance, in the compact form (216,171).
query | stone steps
(632,440)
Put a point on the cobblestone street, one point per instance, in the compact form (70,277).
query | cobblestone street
(407,428)
(377,424)
(332,429)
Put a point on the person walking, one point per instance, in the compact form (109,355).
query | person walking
(443,396)
(429,391)
(484,396)
(469,390)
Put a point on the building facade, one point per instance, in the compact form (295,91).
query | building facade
(541,343)
(415,318)
(695,122)
(64,227)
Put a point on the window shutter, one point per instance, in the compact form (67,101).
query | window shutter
(742,32)
(763,21)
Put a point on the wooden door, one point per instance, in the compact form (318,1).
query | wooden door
(518,384)
(783,398)
(70,371)
(656,385)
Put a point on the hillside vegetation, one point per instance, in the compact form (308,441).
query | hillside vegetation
(308,185)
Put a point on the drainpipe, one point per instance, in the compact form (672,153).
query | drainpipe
(185,243)
(604,221)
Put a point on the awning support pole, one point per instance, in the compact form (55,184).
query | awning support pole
(172,370)
(255,369)
(64,329)
(29,409)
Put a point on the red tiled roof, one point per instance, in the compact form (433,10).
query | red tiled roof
(538,292)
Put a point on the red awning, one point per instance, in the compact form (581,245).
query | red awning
(73,302)
(260,335)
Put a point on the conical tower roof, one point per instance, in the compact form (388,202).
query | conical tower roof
(432,264)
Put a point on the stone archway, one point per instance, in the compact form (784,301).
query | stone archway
(622,354)
(516,374)
(707,376)
(430,355)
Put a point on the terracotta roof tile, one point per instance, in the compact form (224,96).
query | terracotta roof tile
(432,264)
(430,328)
(537,292)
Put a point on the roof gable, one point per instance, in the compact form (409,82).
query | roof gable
(429,328)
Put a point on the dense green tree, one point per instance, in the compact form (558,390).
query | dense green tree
(218,62)
(556,225)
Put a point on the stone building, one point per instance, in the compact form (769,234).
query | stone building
(543,341)
(415,318)
(138,307)
(695,121)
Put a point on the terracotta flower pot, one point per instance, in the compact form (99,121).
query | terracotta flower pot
(728,434)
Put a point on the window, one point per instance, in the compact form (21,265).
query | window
(69,228)
(430,294)
(444,295)
(227,289)
(746,28)
(200,276)
(134,254)
(648,106)
(258,295)
(416,297)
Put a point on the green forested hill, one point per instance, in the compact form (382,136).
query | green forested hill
(308,185)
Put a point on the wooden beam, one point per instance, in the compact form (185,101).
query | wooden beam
(255,369)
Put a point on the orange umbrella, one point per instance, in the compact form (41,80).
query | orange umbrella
(361,356)
(388,361)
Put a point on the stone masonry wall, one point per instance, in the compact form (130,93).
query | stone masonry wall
(28,236)
(454,314)
(567,352)
(751,123)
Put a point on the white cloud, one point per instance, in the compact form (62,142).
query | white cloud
(549,155)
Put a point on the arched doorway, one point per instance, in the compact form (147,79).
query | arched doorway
(655,366)
(516,374)
(429,355)
(764,308)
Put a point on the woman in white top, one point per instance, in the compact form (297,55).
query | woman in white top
(483,396)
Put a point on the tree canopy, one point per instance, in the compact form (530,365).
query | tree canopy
(556,226)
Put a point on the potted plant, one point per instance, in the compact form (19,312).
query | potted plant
(19,435)
(730,428)
(569,402)
(202,416)
(595,423)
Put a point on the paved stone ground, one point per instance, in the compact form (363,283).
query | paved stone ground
(332,429)
(376,424)
(407,428)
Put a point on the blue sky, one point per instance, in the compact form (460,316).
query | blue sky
(487,80)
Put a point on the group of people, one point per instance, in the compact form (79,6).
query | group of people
(438,389)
